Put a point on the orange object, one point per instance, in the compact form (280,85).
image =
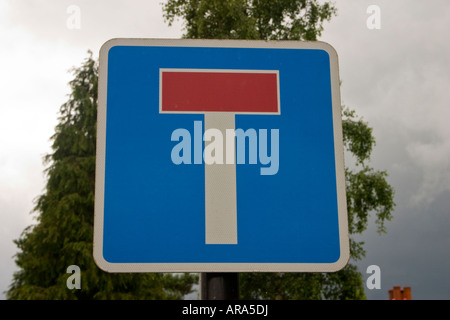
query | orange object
(398,293)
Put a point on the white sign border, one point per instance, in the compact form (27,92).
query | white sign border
(231,266)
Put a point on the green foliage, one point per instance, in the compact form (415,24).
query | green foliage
(345,284)
(250,19)
(358,137)
(367,189)
(63,235)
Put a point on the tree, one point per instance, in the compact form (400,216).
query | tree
(250,19)
(63,234)
(367,189)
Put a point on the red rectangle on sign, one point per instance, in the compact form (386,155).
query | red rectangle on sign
(212,91)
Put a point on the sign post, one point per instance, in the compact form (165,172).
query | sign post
(219,156)
(219,286)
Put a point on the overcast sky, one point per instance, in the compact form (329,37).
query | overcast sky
(396,77)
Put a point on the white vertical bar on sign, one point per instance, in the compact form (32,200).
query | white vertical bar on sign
(220,188)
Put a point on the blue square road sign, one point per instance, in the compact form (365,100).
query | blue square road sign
(219,156)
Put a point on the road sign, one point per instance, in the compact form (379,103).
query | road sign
(219,156)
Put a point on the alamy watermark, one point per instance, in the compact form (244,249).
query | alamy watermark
(373,22)
(223,145)
(73,281)
(73,21)
(374,280)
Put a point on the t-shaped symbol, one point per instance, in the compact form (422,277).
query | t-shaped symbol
(220,95)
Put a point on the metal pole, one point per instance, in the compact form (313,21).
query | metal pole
(219,286)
